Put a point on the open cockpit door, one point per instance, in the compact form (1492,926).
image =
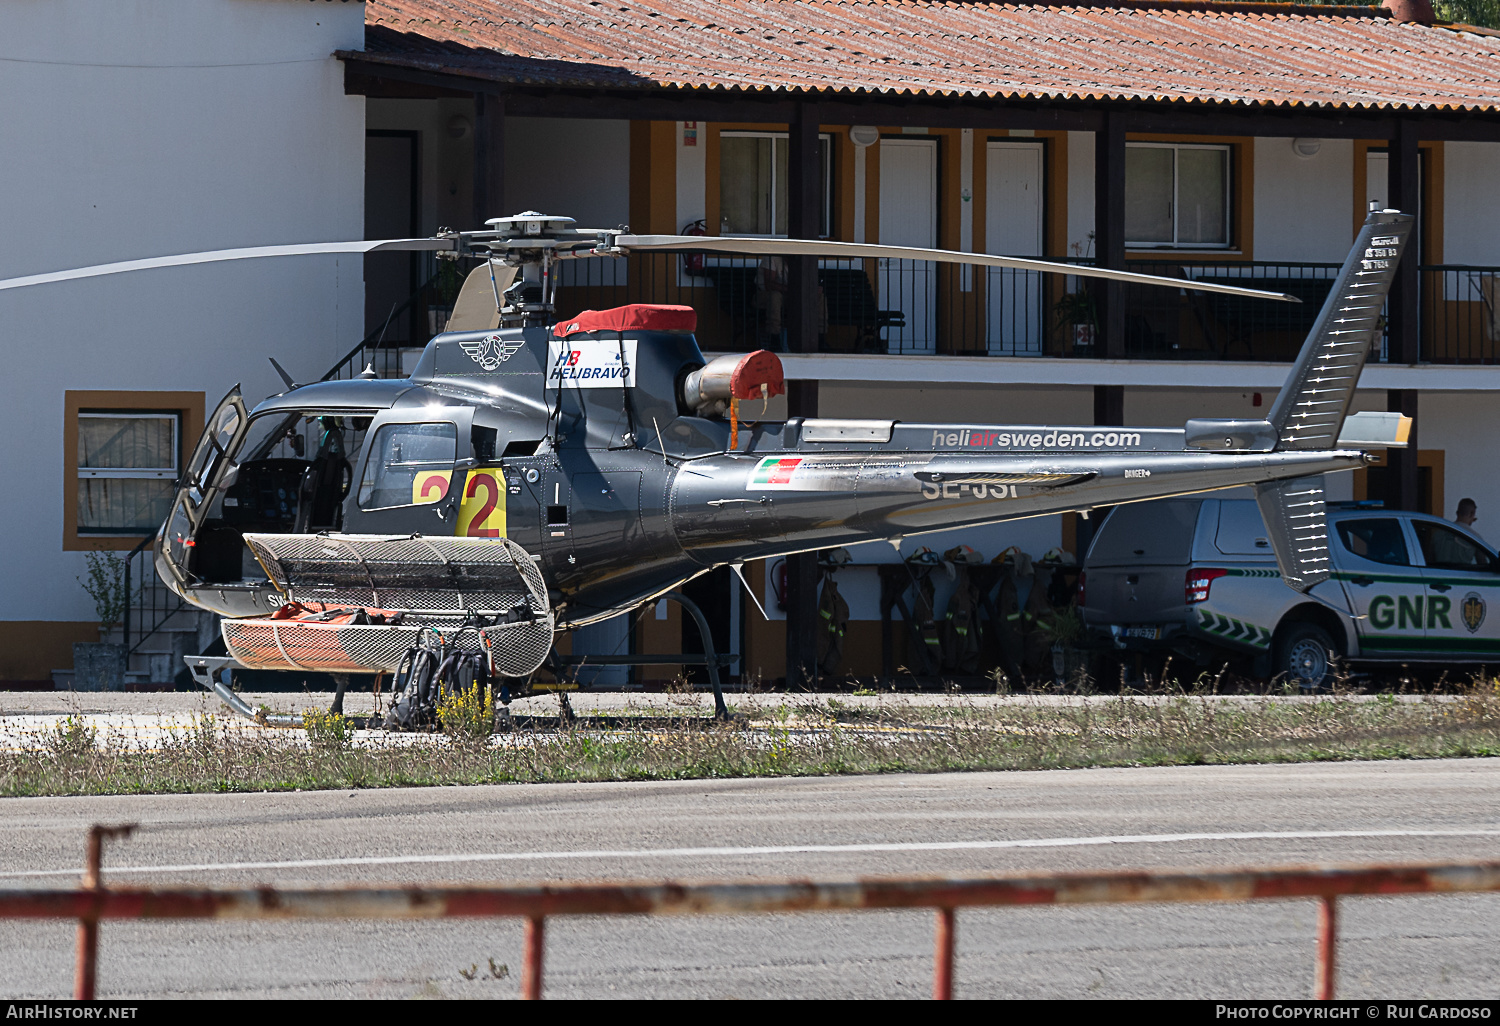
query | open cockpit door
(203,479)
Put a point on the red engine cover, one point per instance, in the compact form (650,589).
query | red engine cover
(758,368)
(636,317)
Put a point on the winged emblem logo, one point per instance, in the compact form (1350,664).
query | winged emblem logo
(491,351)
(1473,611)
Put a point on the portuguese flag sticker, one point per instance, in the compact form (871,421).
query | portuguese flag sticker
(774,472)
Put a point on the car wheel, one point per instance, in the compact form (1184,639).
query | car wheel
(1306,656)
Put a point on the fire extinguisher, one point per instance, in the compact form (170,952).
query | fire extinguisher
(693,263)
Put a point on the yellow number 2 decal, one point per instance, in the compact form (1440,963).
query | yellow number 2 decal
(482,514)
(430,486)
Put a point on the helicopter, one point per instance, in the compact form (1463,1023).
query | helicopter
(583,467)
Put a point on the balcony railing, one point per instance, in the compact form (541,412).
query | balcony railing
(1460,314)
(919,307)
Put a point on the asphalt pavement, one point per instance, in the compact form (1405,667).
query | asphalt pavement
(972,823)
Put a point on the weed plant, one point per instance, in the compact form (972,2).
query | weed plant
(328,731)
(467,715)
(816,736)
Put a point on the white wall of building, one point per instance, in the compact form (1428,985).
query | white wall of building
(1471,215)
(1080,193)
(692,174)
(1302,205)
(137,128)
(1464,426)
(574,167)
(446,160)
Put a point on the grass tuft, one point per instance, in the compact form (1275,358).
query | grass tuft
(809,736)
(328,731)
(467,715)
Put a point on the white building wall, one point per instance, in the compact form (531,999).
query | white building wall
(1302,205)
(1465,425)
(1471,203)
(446,160)
(573,167)
(134,129)
(1080,193)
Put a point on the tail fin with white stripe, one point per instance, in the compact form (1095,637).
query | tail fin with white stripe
(1311,407)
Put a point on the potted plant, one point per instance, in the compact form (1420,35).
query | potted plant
(100,665)
(1077,317)
(446,285)
(1064,629)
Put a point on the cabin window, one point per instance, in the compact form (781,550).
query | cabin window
(753,183)
(1378,540)
(408,465)
(1176,196)
(127,466)
(1447,549)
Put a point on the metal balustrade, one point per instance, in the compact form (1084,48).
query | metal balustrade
(918,307)
(94,901)
(1460,314)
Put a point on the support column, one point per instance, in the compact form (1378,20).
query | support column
(489,158)
(1402,481)
(1109,409)
(1405,342)
(1109,405)
(1109,231)
(804,199)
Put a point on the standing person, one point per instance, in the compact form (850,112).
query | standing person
(770,299)
(1468,512)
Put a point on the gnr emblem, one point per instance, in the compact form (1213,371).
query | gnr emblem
(1473,611)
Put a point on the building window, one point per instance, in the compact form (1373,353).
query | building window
(127,469)
(1176,196)
(753,183)
(122,454)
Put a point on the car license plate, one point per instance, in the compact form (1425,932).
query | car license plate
(1149,633)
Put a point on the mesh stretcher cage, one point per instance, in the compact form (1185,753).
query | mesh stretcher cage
(440,586)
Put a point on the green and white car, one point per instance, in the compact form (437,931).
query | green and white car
(1197,577)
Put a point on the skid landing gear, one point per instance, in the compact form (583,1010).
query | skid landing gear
(709,658)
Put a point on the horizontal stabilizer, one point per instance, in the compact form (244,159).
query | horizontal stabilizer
(1375,430)
(1297,524)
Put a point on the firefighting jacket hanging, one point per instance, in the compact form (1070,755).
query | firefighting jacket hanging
(960,631)
(833,621)
(927,642)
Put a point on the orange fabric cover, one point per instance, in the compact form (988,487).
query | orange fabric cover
(299,611)
(636,317)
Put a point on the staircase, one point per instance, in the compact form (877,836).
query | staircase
(158,629)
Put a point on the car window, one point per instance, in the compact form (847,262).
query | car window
(408,465)
(1147,532)
(1242,532)
(1377,539)
(1447,549)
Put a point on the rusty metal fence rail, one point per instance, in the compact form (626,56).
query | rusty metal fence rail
(535,903)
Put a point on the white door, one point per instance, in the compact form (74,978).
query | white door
(1013,227)
(908,217)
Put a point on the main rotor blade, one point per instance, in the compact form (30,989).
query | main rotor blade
(218,255)
(856,250)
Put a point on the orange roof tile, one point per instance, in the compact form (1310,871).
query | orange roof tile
(1245,53)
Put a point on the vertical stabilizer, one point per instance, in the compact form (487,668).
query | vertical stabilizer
(1311,407)
(1297,525)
